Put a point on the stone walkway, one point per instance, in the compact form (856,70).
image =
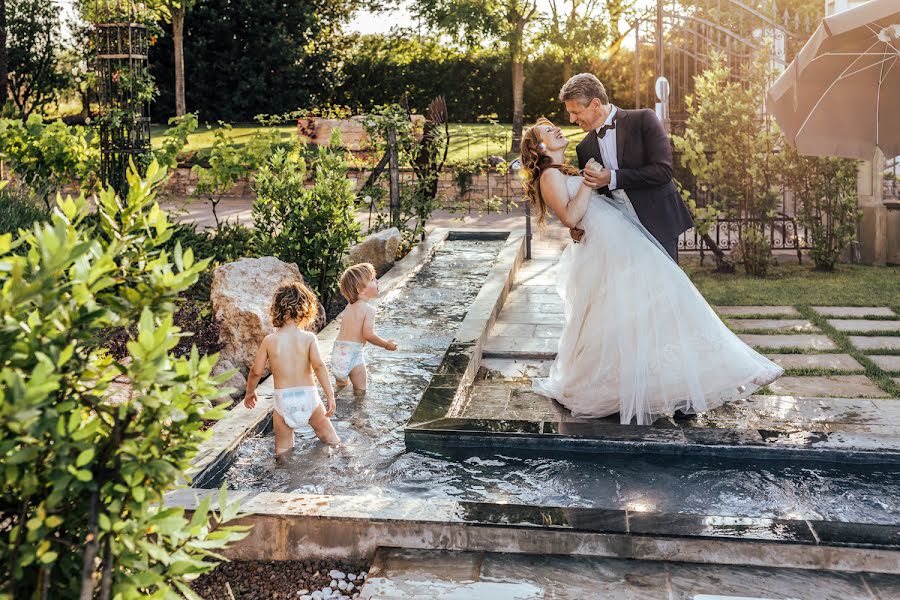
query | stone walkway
(824,388)
(406,574)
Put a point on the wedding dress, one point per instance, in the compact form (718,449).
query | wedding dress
(639,339)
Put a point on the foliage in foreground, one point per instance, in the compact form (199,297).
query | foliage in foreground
(87,458)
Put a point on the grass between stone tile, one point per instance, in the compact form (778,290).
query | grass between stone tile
(878,376)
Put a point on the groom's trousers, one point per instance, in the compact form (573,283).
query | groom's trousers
(671,247)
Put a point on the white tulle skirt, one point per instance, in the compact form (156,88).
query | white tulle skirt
(639,339)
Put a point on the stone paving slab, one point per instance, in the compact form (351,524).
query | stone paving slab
(834,362)
(805,341)
(846,386)
(773,325)
(864,325)
(875,342)
(531,317)
(855,311)
(535,346)
(887,362)
(769,311)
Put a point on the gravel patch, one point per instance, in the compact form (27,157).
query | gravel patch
(294,579)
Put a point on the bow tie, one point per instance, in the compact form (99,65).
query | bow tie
(601,133)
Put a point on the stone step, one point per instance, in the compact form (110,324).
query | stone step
(354,527)
(843,386)
(864,325)
(856,312)
(401,574)
(769,311)
(890,363)
(773,325)
(875,342)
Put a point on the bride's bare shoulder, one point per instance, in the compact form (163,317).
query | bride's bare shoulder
(551,176)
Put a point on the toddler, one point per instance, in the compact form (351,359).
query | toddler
(293,356)
(358,285)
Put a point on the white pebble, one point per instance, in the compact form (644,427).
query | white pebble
(327,592)
(305,597)
(342,585)
(335,574)
(316,595)
(351,577)
(350,587)
(333,584)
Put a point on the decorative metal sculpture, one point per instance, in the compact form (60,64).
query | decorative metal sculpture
(125,91)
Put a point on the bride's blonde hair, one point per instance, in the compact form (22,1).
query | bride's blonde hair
(534,163)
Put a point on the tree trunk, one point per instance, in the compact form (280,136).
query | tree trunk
(4,56)
(567,67)
(518,77)
(178,42)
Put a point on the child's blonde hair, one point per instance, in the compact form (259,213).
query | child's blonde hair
(293,301)
(355,279)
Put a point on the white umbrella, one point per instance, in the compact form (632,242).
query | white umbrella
(841,94)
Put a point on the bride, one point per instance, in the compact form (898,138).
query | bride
(639,339)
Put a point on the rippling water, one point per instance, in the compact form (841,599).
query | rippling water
(423,315)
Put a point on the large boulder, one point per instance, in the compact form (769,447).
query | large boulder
(380,249)
(241,295)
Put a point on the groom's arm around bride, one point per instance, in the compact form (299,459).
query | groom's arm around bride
(636,156)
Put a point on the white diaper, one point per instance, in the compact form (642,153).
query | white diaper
(296,404)
(345,356)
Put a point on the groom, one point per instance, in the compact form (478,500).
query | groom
(635,155)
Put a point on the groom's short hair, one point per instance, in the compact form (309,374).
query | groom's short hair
(583,87)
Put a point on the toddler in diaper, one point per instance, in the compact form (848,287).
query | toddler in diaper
(348,362)
(293,357)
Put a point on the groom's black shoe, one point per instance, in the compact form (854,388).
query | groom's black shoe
(682,416)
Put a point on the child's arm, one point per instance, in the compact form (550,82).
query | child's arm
(255,374)
(318,366)
(370,336)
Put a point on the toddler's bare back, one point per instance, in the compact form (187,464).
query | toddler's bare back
(353,321)
(288,350)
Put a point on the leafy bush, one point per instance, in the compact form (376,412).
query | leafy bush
(18,210)
(175,139)
(86,461)
(314,227)
(230,161)
(826,195)
(48,157)
(728,148)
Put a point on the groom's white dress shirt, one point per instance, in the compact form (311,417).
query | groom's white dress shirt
(608,148)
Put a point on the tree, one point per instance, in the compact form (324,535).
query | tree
(573,27)
(174,11)
(507,20)
(34,40)
(4,56)
(251,56)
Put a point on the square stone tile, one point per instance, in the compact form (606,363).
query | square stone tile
(844,386)
(855,311)
(513,329)
(544,347)
(530,317)
(864,325)
(774,325)
(886,362)
(549,331)
(806,341)
(835,362)
(769,311)
(875,342)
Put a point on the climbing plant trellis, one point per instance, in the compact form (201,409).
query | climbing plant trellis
(125,91)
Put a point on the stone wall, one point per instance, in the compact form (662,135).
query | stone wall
(182,183)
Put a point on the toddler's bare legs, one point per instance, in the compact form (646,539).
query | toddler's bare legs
(323,427)
(358,377)
(340,384)
(284,436)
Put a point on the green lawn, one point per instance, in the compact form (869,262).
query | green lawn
(468,141)
(790,284)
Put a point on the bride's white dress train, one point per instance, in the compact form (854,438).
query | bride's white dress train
(639,339)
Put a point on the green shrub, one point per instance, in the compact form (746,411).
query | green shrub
(310,227)
(826,195)
(18,210)
(47,157)
(84,472)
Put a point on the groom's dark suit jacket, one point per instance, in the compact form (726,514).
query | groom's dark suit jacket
(645,172)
